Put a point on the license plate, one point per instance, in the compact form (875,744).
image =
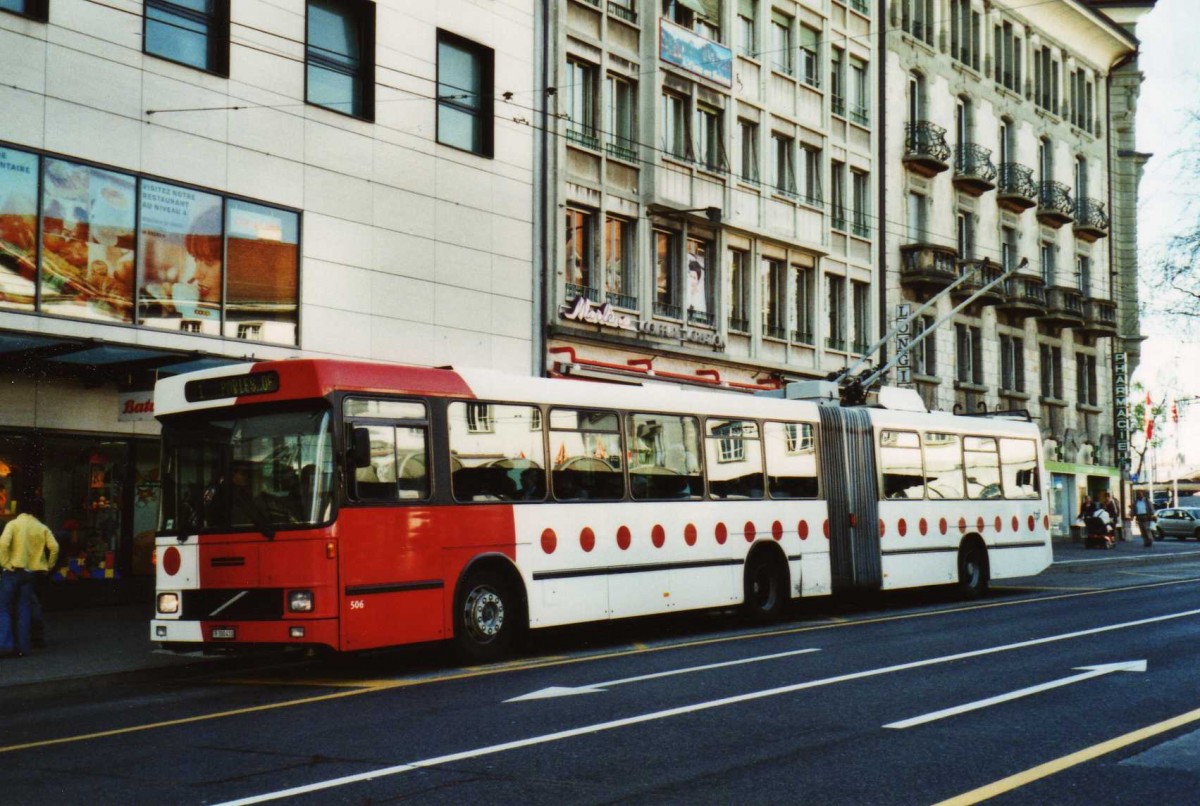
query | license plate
(226,633)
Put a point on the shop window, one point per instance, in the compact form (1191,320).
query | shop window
(580,255)
(263,266)
(464,105)
(83,487)
(191,32)
(340,56)
(181,259)
(701,284)
(18,228)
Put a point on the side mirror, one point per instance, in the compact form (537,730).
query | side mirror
(360,447)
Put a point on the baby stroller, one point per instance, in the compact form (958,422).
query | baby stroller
(1099,531)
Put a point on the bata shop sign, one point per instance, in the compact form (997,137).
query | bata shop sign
(582,309)
(134,406)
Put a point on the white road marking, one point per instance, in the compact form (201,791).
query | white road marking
(596,688)
(1088,674)
(680,711)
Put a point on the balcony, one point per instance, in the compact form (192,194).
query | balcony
(1018,192)
(1024,296)
(1091,220)
(1099,318)
(979,273)
(974,171)
(925,149)
(1054,207)
(928,267)
(1064,307)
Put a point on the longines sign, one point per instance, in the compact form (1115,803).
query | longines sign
(582,309)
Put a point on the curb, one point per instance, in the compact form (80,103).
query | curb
(1103,561)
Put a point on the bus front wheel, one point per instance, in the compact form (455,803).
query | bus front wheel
(486,618)
(972,569)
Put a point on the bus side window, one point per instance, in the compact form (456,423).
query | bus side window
(665,457)
(982,461)
(376,481)
(944,466)
(498,452)
(900,465)
(586,445)
(791,451)
(1019,469)
(735,464)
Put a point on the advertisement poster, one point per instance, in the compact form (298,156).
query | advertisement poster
(18,229)
(697,286)
(87,259)
(263,273)
(182,258)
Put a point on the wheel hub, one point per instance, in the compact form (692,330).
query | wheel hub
(485,613)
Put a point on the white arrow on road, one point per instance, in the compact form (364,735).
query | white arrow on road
(1088,673)
(596,688)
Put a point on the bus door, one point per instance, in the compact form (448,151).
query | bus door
(849,481)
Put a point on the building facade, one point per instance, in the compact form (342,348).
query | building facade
(184,184)
(711,204)
(999,164)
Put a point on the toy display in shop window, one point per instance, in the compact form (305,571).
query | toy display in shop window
(91,541)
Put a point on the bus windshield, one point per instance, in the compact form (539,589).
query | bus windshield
(246,471)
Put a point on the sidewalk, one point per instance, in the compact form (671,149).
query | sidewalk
(89,647)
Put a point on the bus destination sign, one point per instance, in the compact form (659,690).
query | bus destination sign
(256,383)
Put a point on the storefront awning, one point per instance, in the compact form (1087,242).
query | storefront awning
(29,353)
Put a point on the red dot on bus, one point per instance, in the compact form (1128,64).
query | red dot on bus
(943,526)
(587,539)
(979,524)
(962,526)
(1045,521)
(882,527)
(749,531)
(171,561)
(999,524)
(658,536)
(689,534)
(1032,523)
(777,530)
(721,533)
(825,528)
(1016,523)
(923,526)
(623,538)
(549,541)
(802,530)
(902,527)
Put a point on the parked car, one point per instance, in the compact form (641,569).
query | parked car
(1177,522)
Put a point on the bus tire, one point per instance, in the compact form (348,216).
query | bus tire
(487,616)
(766,587)
(973,570)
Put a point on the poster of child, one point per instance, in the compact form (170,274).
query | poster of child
(181,259)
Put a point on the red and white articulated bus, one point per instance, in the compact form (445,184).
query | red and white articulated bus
(352,505)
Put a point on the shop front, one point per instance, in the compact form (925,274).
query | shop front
(1069,483)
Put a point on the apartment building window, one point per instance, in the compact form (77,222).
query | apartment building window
(340,56)
(1081,179)
(666,275)
(738,290)
(192,32)
(1008,56)
(965,32)
(783,170)
(923,352)
(860,200)
(1046,261)
(1046,79)
(581,254)
(1083,272)
(1082,95)
(34,9)
(701,283)
(916,98)
(861,300)
(464,94)
(810,180)
(965,231)
(1045,160)
(1050,359)
(781,43)
(916,18)
(836,300)
(748,142)
(1008,247)
(747,35)
(837,195)
(579,100)
(837,81)
(620,118)
(810,66)
(804,282)
(860,92)
(970,354)
(710,138)
(675,139)
(620,280)
(1012,363)
(1085,380)
(774,298)
(917,217)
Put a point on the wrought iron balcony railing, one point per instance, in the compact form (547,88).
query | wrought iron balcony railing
(703,318)
(1091,219)
(1055,206)
(668,310)
(925,149)
(1017,190)
(974,171)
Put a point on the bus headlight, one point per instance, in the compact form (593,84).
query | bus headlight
(300,601)
(168,603)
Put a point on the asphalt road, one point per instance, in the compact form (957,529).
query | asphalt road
(1068,688)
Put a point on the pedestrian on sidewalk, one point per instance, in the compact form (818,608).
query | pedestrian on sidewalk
(1114,512)
(27,548)
(1143,513)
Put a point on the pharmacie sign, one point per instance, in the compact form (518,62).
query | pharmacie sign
(582,309)
(1121,407)
(135,406)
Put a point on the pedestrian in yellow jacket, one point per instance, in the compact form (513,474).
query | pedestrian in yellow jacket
(27,547)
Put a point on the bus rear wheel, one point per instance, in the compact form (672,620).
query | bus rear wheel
(766,588)
(972,570)
(486,618)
